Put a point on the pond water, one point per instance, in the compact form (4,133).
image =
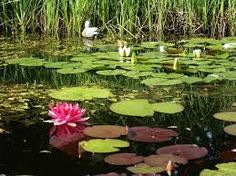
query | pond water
(33,72)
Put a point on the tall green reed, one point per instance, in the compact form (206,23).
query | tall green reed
(133,18)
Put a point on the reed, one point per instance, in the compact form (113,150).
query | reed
(131,18)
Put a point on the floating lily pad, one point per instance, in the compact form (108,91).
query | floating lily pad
(103,145)
(137,74)
(168,107)
(149,44)
(142,108)
(111,72)
(30,61)
(146,134)
(161,82)
(55,64)
(226,116)
(80,93)
(230,129)
(224,169)
(192,80)
(163,159)
(123,159)
(187,151)
(137,107)
(67,71)
(143,168)
(105,131)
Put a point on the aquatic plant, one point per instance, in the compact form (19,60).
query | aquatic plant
(67,118)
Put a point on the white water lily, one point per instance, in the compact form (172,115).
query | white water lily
(88,31)
(124,51)
(197,53)
(162,49)
(229,46)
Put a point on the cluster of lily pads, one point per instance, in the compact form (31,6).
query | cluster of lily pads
(153,68)
(229,117)
(103,142)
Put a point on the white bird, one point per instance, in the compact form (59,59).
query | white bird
(229,46)
(88,31)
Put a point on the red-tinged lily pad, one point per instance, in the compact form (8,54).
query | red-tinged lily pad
(162,160)
(187,151)
(67,143)
(112,174)
(105,131)
(147,134)
(143,168)
(123,159)
(230,129)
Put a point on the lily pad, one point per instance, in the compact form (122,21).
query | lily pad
(105,131)
(161,82)
(192,80)
(67,71)
(224,169)
(80,93)
(111,72)
(143,168)
(226,116)
(137,107)
(187,151)
(103,145)
(146,134)
(163,159)
(123,159)
(230,129)
(55,64)
(168,107)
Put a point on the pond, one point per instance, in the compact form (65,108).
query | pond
(163,94)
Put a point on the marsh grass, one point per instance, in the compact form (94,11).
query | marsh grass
(132,18)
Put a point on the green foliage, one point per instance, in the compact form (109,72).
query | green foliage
(148,18)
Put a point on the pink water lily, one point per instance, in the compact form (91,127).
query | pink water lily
(67,118)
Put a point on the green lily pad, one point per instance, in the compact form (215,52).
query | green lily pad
(67,71)
(168,107)
(80,93)
(142,108)
(143,168)
(103,145)
(136,74)
(111,72)
(138,107)
(161,82)
(230,129)
(55,64)
(149,45)
(226,116)
(30,61)
(192,80)
(224,169)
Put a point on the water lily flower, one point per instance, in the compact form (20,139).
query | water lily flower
(162,49)
(176,65)
(67,118)
(124,51)
(89,32)
(229,46)
(197,53)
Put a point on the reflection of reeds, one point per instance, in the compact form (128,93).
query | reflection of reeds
(146,18)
